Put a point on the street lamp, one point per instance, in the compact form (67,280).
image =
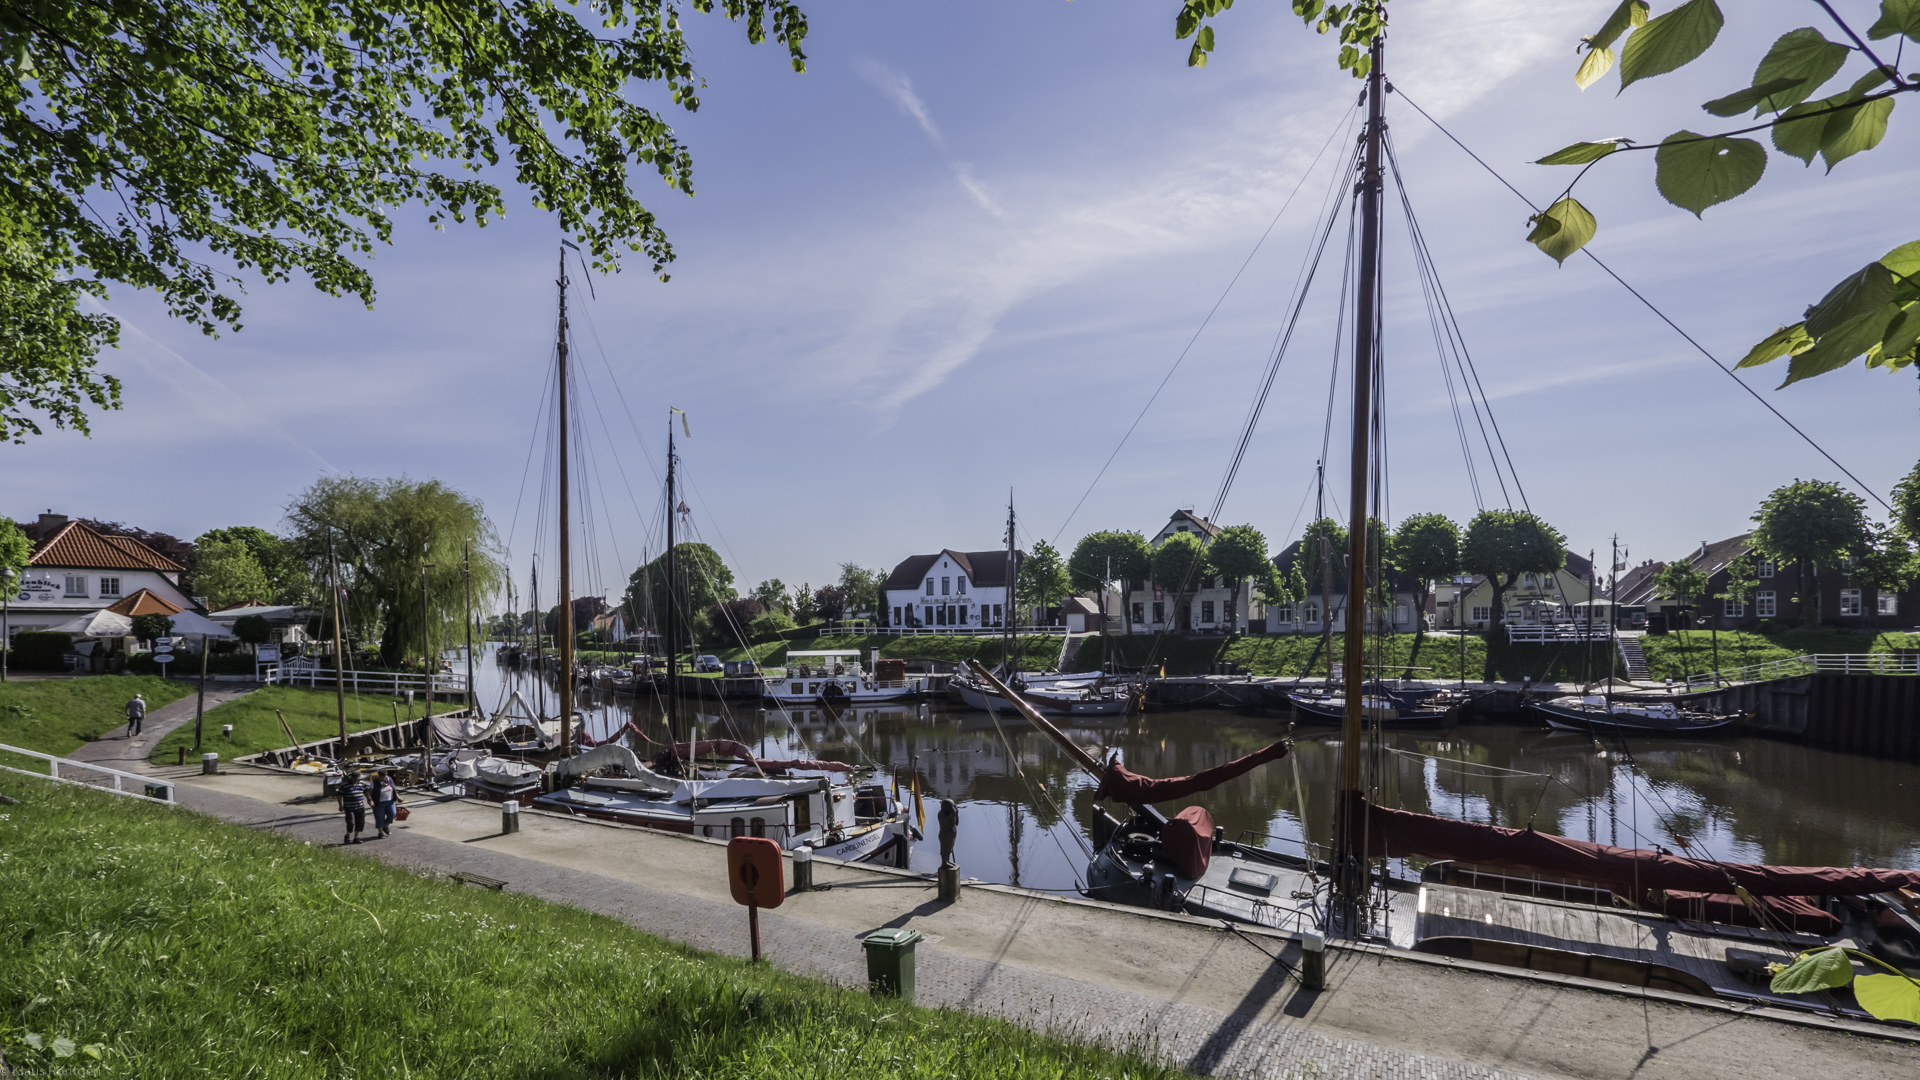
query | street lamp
(7,574)
(426,643)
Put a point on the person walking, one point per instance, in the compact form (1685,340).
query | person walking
(136,715)
(353,803)
(385,794)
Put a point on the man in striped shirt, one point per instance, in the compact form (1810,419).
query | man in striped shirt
(353,802)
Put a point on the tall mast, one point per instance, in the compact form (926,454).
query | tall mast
(1350,878)
(673,629)
(1013,598)
(539,648)
(566,563)
(1613,614)
(466,568)
(339,645)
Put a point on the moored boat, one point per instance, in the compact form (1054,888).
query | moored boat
(1600,715)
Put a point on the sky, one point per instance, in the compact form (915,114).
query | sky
(957,257)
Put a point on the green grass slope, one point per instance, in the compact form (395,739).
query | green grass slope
(313,715)
(56,716)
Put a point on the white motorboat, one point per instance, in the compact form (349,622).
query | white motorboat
(834,677)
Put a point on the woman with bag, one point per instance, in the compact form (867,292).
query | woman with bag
(385,796)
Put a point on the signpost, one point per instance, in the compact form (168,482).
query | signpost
(163,653)
(755,873)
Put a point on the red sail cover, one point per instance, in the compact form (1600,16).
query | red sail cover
(1124,786)
(1187,841)
(1402,832)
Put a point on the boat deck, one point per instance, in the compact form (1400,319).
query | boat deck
(1576,930)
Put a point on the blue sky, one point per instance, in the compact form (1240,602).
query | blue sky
(958,254)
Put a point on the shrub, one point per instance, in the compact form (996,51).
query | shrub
(41,650)
(771,625)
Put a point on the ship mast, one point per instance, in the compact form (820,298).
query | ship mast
(1350,873)
(673,628)
(566,578)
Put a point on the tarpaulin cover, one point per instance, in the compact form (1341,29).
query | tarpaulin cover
(1123,785)
(1187,841)
(1792,913)
(730,748)
(1402,832)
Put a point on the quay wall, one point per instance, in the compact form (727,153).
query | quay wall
(1860,714)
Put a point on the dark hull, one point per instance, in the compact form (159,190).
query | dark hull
(1565,718)
(1310,711)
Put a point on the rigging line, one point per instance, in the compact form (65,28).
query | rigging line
(1345,121)
(1339,330)
(1283,337)
(533,440)
(1648,304)
(594,331)
(1470,371)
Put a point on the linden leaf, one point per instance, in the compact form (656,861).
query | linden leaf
(1799,54)
(1579,153)
(1782,342)
(1897,17)
(1629,14)
(1694,173)
(1562,229)
(1770,95)
(1837,348)
(1860,292)
(1821,969)
(1854,130)
(1596,64)
(1670,41)
(1889,997)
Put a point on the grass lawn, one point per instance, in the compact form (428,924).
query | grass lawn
(311,713)
(1690,652)
(162,943)
(55,716)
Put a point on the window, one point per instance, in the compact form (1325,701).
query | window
(1764,604)
(737,827)
(1733,609)
(896,616)
(1282,614)
(1139,612)
(1310,612)
(1763,568)
(1849,601)
(76,585)
(929,586)
(940,615)
(926,616)
(963,585)
(996,615)
(757,827)
(1889,603)
(1206,611)
(946,586)
(1159,611)
(109,586)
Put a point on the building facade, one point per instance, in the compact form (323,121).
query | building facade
(958,590)
(76,570)
(1832,594)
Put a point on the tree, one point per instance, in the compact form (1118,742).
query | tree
(772,594)
(1179,565)
(1874,312)
(803,604)
(1680,582)
(1427,548)
(1237,553)
(862,587)
(253,630)
(1810,522)
(1043,580)
(1906,505)
(830,602)
(385,534)
(704,581)
(1886,564)
(287,578)
(1125,552)
(170,146)
(151,627)
(229,576)
(732,619)
(1500,545)
(15,549)
(1743,580)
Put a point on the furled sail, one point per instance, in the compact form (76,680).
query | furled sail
(1126,786)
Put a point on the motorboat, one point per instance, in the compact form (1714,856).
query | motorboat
(835,678)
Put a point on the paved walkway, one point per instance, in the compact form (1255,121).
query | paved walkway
(116,750)
(1177,988)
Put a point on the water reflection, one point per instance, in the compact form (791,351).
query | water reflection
(1024,807)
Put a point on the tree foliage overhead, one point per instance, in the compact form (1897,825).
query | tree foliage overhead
(385,533)
(1906,505)
(174,145)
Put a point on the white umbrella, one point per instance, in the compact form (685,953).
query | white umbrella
(188,622)
(102,624)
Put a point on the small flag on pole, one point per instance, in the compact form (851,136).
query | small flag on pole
(919,808)
(683,420)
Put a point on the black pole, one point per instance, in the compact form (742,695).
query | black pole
(466,563)
(339,647)
(566,566)
(673,629)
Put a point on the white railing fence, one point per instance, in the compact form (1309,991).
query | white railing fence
(105,779)
(938,631)
(1543,633)
(1808,663)
(392,682)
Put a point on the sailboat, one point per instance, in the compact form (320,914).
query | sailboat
(1508,896)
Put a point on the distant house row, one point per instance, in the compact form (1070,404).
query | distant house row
(1832,593)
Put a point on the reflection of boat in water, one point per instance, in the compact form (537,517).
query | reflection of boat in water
(835,819)
(1599,715)
(1378,706)
(1082,693)
(834,677)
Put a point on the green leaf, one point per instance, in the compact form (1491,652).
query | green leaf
(1562,229)
(1629,14)
(1799,54)
(1821,969)
(1694,173)
(1768,96)
(1889,997)
(1597,62)
(1838,347)
(1897,17)
(1670,41)
(1849,132)
(1903,333)
(1782,342)
(1858,293)
(1903,260)
(1579,153)
(63,1047)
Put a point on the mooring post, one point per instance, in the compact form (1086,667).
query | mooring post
(949,870)
(1313,961)
(802,869)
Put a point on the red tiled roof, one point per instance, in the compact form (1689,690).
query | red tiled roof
(145,602)
(80,547)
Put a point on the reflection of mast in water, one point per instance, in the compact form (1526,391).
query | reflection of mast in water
(1013,841)
(1613,809)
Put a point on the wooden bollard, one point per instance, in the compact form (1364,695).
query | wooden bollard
(1313,961)
(802,869)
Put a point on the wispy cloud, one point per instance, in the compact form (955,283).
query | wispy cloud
(899,90)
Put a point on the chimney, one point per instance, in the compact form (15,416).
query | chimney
(51,523)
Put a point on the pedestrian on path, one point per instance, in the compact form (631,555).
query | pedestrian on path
(384,795)
(136,714)
(353,803)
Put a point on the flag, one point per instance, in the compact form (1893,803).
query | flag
(919,808)
(683,420)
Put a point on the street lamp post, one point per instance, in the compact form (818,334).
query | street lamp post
(1460,583)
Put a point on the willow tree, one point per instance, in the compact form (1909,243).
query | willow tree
(173,145)
(388,536)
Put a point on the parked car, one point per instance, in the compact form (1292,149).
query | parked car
(707,662)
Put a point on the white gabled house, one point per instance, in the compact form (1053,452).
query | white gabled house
(950,589)
(1154,607)
(76,570)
